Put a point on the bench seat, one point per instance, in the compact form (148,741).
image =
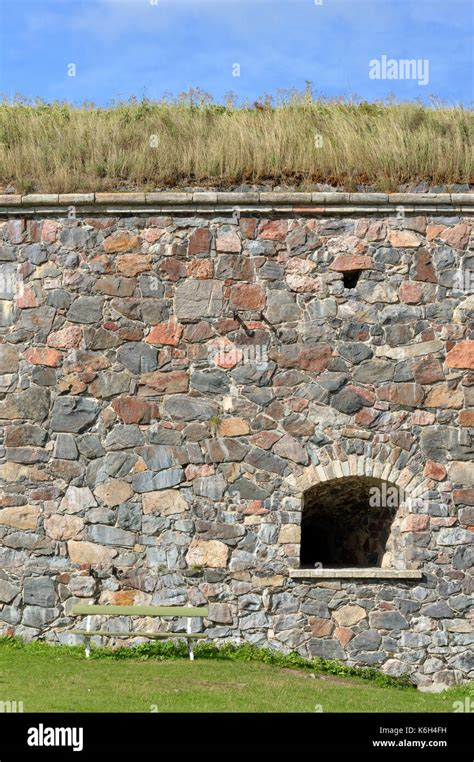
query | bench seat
(187,612)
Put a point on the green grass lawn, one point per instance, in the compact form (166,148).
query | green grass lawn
(60,679)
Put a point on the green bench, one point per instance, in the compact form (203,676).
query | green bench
(90,610)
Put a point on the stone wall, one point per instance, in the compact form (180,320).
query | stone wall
(176,379)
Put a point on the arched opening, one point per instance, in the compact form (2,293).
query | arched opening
(346,522)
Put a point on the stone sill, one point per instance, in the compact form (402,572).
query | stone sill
(226,202)
(374,573)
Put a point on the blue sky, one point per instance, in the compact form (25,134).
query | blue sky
(153,47)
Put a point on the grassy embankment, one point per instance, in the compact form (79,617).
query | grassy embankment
(191,141)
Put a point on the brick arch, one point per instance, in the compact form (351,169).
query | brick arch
(340,465)
(413,484)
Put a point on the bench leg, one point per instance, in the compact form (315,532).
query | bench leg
(88,647)
(190,650)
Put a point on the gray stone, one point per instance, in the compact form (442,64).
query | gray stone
(282,307)
(153,311)
(158,457)
(26,455)
(370,658)
(73,414)
(415,639)
(461,602)
(284,603)
(183,408)
(110,384)
(38,321)
(290,448)
(43,376)
(65,447)
(256,248)
(463,661)
(253,373)
(321,309)
(439,638)
(35,253)
(220,612)
(10,614)
(463,558)
(83,587)
(138,357)
(159,435)
(210,382)
(315,608)
(7,253)
(374,371)
(250,602)
(212,487)
(106,535)
(118,464)
(32,404)
(271,270)
(29,541)
(8,359)
(387,620)
(395,667)
(8,591)
(256,621)
(438,610)
(225,449)
(355,352)
(59,298)
(258,395)
(454,536)
(89,446)
(266,461)
(129,517)
(247,490)
(86,309)
(38,616)
(348,401)
(74,238)
(241,560)
(197,299)
(9,281)
(268,534)
(100,338)
(147,482)
(151,286)
(368,640)
(124,436)
(287,623)
(325,649)
(39,591)
(442,443)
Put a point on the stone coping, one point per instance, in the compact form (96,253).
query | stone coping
(225,202)
(374,573)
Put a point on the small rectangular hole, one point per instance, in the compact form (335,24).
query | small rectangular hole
(350,278)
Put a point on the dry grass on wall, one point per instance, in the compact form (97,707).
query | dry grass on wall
(192,141)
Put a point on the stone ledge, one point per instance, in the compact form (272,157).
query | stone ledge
(254,202)
(374,573)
